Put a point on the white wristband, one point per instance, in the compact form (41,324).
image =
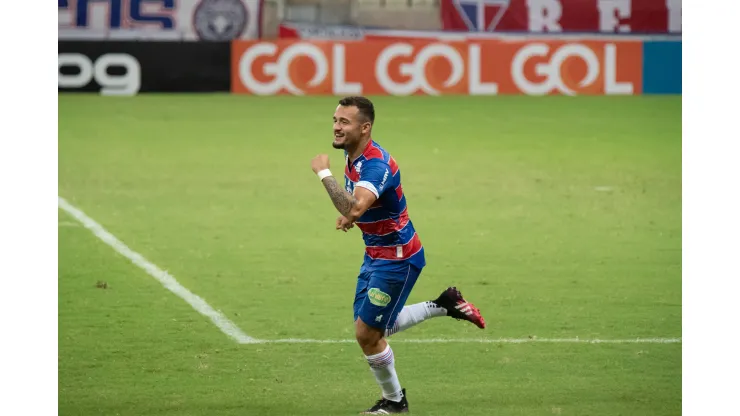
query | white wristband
(323,174)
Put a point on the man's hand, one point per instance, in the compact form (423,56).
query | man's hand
(320,163)
(350,206)
(344,224)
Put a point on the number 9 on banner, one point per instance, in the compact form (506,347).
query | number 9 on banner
(127,83)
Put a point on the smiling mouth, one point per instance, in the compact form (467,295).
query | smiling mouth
(338,143)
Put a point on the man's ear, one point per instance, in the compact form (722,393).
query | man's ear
(366,126)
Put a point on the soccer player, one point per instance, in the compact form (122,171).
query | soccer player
(372,198)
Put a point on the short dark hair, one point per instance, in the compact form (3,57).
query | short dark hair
(364,106)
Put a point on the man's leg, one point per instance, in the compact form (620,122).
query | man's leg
(384,297)
(449,303)
(380,357)
(412,315)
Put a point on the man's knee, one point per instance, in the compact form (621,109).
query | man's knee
(366,335)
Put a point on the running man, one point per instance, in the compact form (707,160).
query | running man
(372,198)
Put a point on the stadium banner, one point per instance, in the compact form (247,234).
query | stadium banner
(427,67)
(662,73)
(130,67)
(160,20)
(561,16)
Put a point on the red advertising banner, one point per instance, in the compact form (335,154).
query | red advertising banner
(429,67)
(562,16)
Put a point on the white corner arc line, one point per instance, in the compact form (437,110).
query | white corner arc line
(482,341)
(168,281)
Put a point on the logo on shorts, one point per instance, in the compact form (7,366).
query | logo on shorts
(378,298)
(220,20)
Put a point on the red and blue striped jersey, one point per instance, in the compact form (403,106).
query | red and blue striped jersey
(390,238)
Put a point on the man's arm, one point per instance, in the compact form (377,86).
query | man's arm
(351,206)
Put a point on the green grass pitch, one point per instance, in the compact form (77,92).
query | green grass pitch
(560,217)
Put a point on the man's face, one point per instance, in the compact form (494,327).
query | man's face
(349,127)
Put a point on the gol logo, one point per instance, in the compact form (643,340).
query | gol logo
(431,68)
(278,69)
(420,74)
(558,73)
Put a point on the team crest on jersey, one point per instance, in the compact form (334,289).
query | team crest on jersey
(378,298)
(481,15)
(358,166)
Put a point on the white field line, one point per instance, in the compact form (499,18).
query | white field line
(234,332)
(483,341)
(200,305)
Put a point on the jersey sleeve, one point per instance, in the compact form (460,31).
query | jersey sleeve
(375,175)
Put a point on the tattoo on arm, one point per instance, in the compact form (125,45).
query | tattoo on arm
(342,200)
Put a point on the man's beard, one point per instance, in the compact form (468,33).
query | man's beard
(342,145)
